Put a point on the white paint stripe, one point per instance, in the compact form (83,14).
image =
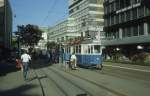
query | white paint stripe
(128,68)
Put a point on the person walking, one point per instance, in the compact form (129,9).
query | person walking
(73,61)
(25,58)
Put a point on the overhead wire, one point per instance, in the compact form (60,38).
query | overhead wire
(49,11)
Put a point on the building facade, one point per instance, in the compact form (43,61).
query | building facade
(127,26)
(42,43)
(88,15)
(63,31)
(5,24)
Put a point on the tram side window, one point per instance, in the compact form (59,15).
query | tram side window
(85,49)
(88,49)
(96,48)
(76,49)
(68,49)
(92,49)
(79,48)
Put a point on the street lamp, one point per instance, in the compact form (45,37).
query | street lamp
(117,49)
(140,47)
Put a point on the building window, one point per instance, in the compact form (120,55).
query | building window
(134,15)
(128,31)
(147,11)
(105,9)
(135,30)
(128,15)
(124,32)
(105,22)
(141,11)
(96,1)
(92,8)
(67,38)
(117,19)
(141,29)
(77,8)
(62,39)
(122,4)
(112,20)
(148,28)
(127,3)
(135,1)
(112,7)
(71,11)
(117,5)
(108,8)
(108,20)
(122,17)
(117,33)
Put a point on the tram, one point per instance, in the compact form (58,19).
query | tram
(88,54)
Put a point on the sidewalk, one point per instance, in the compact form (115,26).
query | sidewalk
(128,66)
(13,84)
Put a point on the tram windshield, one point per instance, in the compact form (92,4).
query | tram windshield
(92,49)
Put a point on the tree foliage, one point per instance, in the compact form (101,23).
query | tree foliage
(51,45)
(29,34)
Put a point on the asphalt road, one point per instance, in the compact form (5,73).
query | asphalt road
(111,81)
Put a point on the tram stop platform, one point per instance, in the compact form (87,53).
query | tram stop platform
(13,84)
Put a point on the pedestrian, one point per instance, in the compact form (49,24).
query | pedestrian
(49,57)
(19,64)
(73,61)
(25,62)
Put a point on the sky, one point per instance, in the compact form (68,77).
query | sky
(43,13)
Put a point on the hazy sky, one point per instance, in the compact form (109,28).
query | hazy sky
(39,12)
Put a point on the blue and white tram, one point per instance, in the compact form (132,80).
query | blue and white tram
(88,55)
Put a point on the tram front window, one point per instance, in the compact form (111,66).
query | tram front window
(97,49)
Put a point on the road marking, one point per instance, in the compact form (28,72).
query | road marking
(128,68)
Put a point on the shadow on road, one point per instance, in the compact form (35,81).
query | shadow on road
(19,91)
(6,68)
(39,63)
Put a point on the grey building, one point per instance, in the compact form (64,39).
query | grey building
(5,24)
(127,26)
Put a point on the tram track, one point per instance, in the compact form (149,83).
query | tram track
(57,85)
(86,92)
(124,74)
(52,80)
(42,88)
(83,93)
(94,83)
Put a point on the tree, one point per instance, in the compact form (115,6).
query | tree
(51,45)
(29,35)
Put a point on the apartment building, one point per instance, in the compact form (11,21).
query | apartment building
(62,31)
(88,15)
(127,26)
(5,24)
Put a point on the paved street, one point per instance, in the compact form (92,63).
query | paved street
(55,80)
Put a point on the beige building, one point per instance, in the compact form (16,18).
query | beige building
(5,24)
(42,43)
(63,31)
